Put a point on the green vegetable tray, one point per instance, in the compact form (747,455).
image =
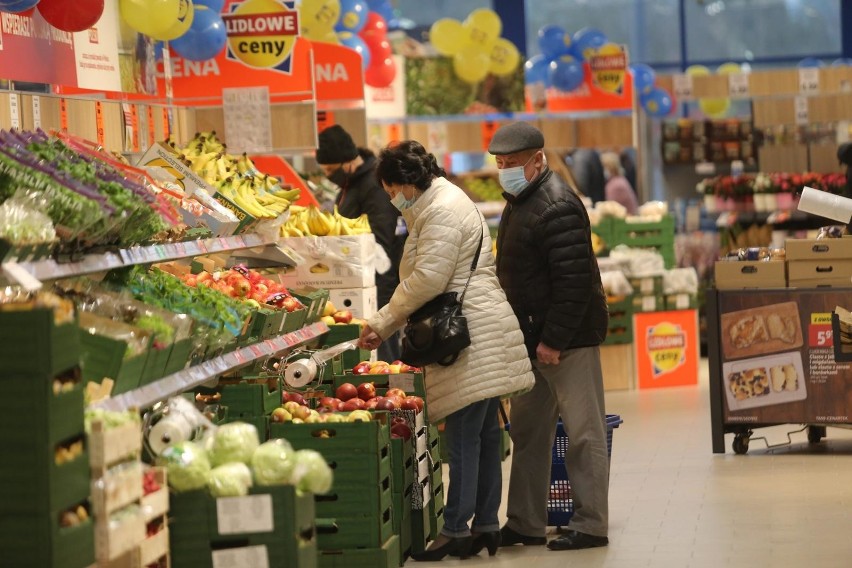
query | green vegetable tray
(420,529)
(314,301)
(200,554)
(37,541)
(402,464)
(267,323)
(621,308)
(194,524)
(253,397)
(436,511)
(30,411)
(294,320)
(343,437)
(31,343)
(179,356)
(386,556)
(103,357)
(155,365)
(342,533)
(352,499)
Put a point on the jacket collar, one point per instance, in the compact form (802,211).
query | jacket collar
(367,168)
(426,198)
(530,189)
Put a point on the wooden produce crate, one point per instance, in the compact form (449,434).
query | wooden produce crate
(116,489)
(112,540)
(156,504)
(31,342)
(108,446)
(617,366)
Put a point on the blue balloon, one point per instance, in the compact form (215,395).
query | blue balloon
(551,41)
(810,62)
(353,41)
(353,16)
(205,38)
(158,50)
(657,103)
(215,5)
(16,6)
(384,8)
(643,77)
(535,70)
(566,73)
(841,62)
(587,38)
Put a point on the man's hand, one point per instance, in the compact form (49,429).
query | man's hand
(546,355)
(369,339)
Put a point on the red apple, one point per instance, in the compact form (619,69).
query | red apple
(409,404)
(401,431)
(372,403)
(396,392)
(291,304)
(344,316)
(326,409)
(396,401)
(329,402)
(416,400)
(354,404)
(346,391)
(380,369)
(398,420)
(361,368)
(384,404)
(295,397)
(366,391)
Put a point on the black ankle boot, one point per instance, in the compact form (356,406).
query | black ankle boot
(455,546)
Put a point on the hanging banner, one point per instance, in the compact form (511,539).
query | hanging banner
(388,102)
(96,53)
(33,51)
(607,86)
(666,348)
(778,360)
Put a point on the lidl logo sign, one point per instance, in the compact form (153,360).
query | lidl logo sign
(262,33)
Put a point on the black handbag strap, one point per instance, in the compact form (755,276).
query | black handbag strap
(475,260)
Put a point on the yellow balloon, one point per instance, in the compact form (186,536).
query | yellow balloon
(714,108)
(471,64)
(330,37)
(318,17)
(483,27)
(153,17)
(504,57)
(729,69)
(182,24)
(447,36)
(697,71)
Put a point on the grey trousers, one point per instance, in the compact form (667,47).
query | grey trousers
(573,389)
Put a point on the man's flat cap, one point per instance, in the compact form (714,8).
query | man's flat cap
(516,137)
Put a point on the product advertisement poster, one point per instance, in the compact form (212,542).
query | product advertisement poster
(96,52)
(666,348)
(777,357)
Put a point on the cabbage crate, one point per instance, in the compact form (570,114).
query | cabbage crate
(657,235)
(248,396)
(620,328)
(32,342)
(272,526)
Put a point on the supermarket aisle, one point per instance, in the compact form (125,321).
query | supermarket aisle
(675,504)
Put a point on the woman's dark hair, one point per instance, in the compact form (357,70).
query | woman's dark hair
(408,163)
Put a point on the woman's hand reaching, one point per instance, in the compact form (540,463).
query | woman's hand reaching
(369,339)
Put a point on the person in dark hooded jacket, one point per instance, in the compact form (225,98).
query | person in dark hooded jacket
(353,170)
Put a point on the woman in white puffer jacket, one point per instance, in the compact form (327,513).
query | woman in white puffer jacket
(444,229)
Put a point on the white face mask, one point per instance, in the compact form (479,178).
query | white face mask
(514,180)
(400,202)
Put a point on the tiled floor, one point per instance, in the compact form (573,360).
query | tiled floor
(675,504)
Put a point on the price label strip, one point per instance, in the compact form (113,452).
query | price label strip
(738,85)
(682,87)
(809,80)
(14,111)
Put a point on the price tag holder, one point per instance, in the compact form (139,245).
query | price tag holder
(152,128)
(36,111)
(394,132)
(682,87)
(17,273)
(649,303)
(99,123)
(325,119)
(63,114)
(809,80)
(487,129)
(820,332)
(241,515)
(801,110)
(738,85)
(253,556)
(14,111)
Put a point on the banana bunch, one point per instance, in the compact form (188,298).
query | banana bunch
(311,221)
(235,177)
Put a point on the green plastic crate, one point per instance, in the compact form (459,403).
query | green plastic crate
(651,303)
(294,320)
(342,438)
(193,520)
(314,300)
(620,309)
(103,357)
(386,556)
(37,541)
(31,343)
(343,533)
(402,464)
(421,529)
(347,498)
(255,396)
(155,365)
(618,337)
(681,302)
(304,555)
(665,226)
(401,501)
(413,382)
(36,484)
(179,356)
(436,511)
(267,323)
(30,411)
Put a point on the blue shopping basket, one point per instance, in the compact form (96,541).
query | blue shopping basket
(560,506)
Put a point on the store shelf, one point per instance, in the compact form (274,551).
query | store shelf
(501,116)
(196,375)
(50,269)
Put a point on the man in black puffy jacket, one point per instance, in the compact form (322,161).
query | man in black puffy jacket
(353,169)
(547,268)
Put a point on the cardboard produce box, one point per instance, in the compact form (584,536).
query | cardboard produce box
(818,249)
(733,275)
(362,302)
(817,273)
(332,262)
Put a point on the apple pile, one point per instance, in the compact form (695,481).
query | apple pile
(383,368)
(333,316)
(248,285)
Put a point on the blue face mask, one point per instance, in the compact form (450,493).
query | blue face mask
(513,180)
(400,202)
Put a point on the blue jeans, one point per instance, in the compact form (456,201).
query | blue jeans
(476,475)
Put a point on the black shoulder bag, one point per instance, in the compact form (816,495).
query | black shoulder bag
(437,332)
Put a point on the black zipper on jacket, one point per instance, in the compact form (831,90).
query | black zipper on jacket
(504,220)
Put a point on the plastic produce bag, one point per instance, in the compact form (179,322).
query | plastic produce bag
(187,466)
(233,442)
(680,281)
(616,284)
(229,480)
(273,462)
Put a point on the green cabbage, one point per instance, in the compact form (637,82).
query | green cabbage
(229,480)
(273,463)
(311,473)
(186,466)
(233,442)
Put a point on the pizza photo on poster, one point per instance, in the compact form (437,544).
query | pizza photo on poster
(777,355)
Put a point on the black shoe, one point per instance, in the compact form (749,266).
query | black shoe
(489,541)
(455,546)
(573,540)
(508,537)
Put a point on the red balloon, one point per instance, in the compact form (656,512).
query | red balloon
(379,47)
(375,25)
(381,72)
(71,16)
